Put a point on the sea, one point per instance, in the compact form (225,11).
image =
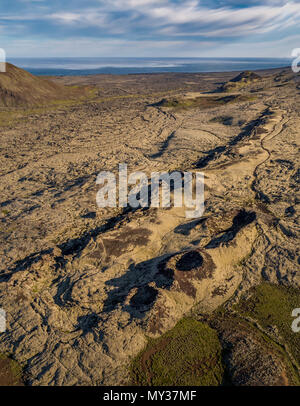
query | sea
(123,66)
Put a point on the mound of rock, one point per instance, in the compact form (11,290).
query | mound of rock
(242,79)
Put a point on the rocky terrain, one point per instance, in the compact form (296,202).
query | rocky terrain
(85,288)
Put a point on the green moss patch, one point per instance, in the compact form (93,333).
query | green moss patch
(10,372)
(272,306)
(225,120)
(202,102)
(189,354)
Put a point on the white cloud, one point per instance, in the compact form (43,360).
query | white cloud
(66,17)
(184,28)
(123,48)
(188,17)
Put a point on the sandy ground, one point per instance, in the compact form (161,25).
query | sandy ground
(84,286)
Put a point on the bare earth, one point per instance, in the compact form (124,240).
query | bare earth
(83,287)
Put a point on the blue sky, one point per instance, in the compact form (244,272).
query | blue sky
(149,28)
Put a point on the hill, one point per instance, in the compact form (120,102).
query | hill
(242,79)
(18,87)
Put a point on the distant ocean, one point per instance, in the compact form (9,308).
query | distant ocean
(120,66)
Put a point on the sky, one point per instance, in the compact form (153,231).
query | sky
(149,28)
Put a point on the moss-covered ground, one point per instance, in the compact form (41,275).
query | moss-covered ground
(189,354)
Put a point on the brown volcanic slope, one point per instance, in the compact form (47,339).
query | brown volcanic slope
(19,87)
